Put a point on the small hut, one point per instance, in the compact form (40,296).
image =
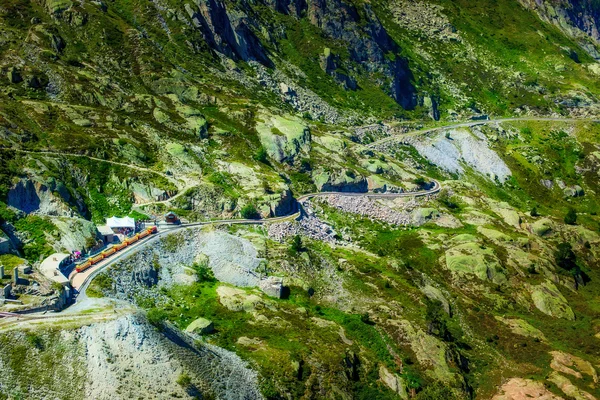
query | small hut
(172,218)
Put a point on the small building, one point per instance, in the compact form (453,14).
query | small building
(107,233)
(52,267)
(171,218)
(116,223)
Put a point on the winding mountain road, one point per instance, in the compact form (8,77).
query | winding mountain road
(419,132)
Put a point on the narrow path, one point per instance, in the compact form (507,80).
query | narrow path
(182,185)
(400,136)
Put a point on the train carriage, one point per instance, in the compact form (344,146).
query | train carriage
(84,266)
(109,252)
(114,249)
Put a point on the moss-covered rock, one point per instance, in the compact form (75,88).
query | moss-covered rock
(542,227)
(471,258)
(422,215)
(198,126)
(160,116)
(493,234)
(430,351)
(200,326)
(283,137)
(549,300)
(57,6)
(331,143)
(521,327)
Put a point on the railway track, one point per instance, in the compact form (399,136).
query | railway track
(81,286)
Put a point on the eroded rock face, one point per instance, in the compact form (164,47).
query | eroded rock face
(524,389)
(31,196)
(368,42)
(453,149)
(579,19)
(128,358)
(227,31)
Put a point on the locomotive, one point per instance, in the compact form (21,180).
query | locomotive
(114,249)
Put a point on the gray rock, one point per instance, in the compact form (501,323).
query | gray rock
(272,286)
(200,326)
(574,191)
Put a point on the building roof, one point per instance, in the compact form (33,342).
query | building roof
(170,214)
(105,230)
(125,222)
(50,268)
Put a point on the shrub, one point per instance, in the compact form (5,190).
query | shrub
(436,391)
(261,155)
(565,257)
(571,217)
(437,323)
(184,380)
(296,245)
(249,212)
(204,273)
(34,340)
(156,316)
(420,181)
(534,212)
(366,319)
(305,165)
(449,202)
(6,214)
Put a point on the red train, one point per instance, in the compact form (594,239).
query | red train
(114,249)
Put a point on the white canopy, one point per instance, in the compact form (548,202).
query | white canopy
(115,222)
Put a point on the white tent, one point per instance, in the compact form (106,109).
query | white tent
(115,222)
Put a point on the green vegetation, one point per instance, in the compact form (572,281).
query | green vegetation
(571,217)
(101,284)
(249,212)
(37,229)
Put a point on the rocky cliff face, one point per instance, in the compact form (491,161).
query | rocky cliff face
(228,29)
(579,19)
(367,41)
(33,196)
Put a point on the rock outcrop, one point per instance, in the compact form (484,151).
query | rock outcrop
(579,19)
(33,196)
(227,31)
(283,137)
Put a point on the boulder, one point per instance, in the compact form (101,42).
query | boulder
(574,191)
(200,326)
(542,227)
(472,259)
(272,286)
(237,299)
(422,215)
(83,122)
(549,300)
